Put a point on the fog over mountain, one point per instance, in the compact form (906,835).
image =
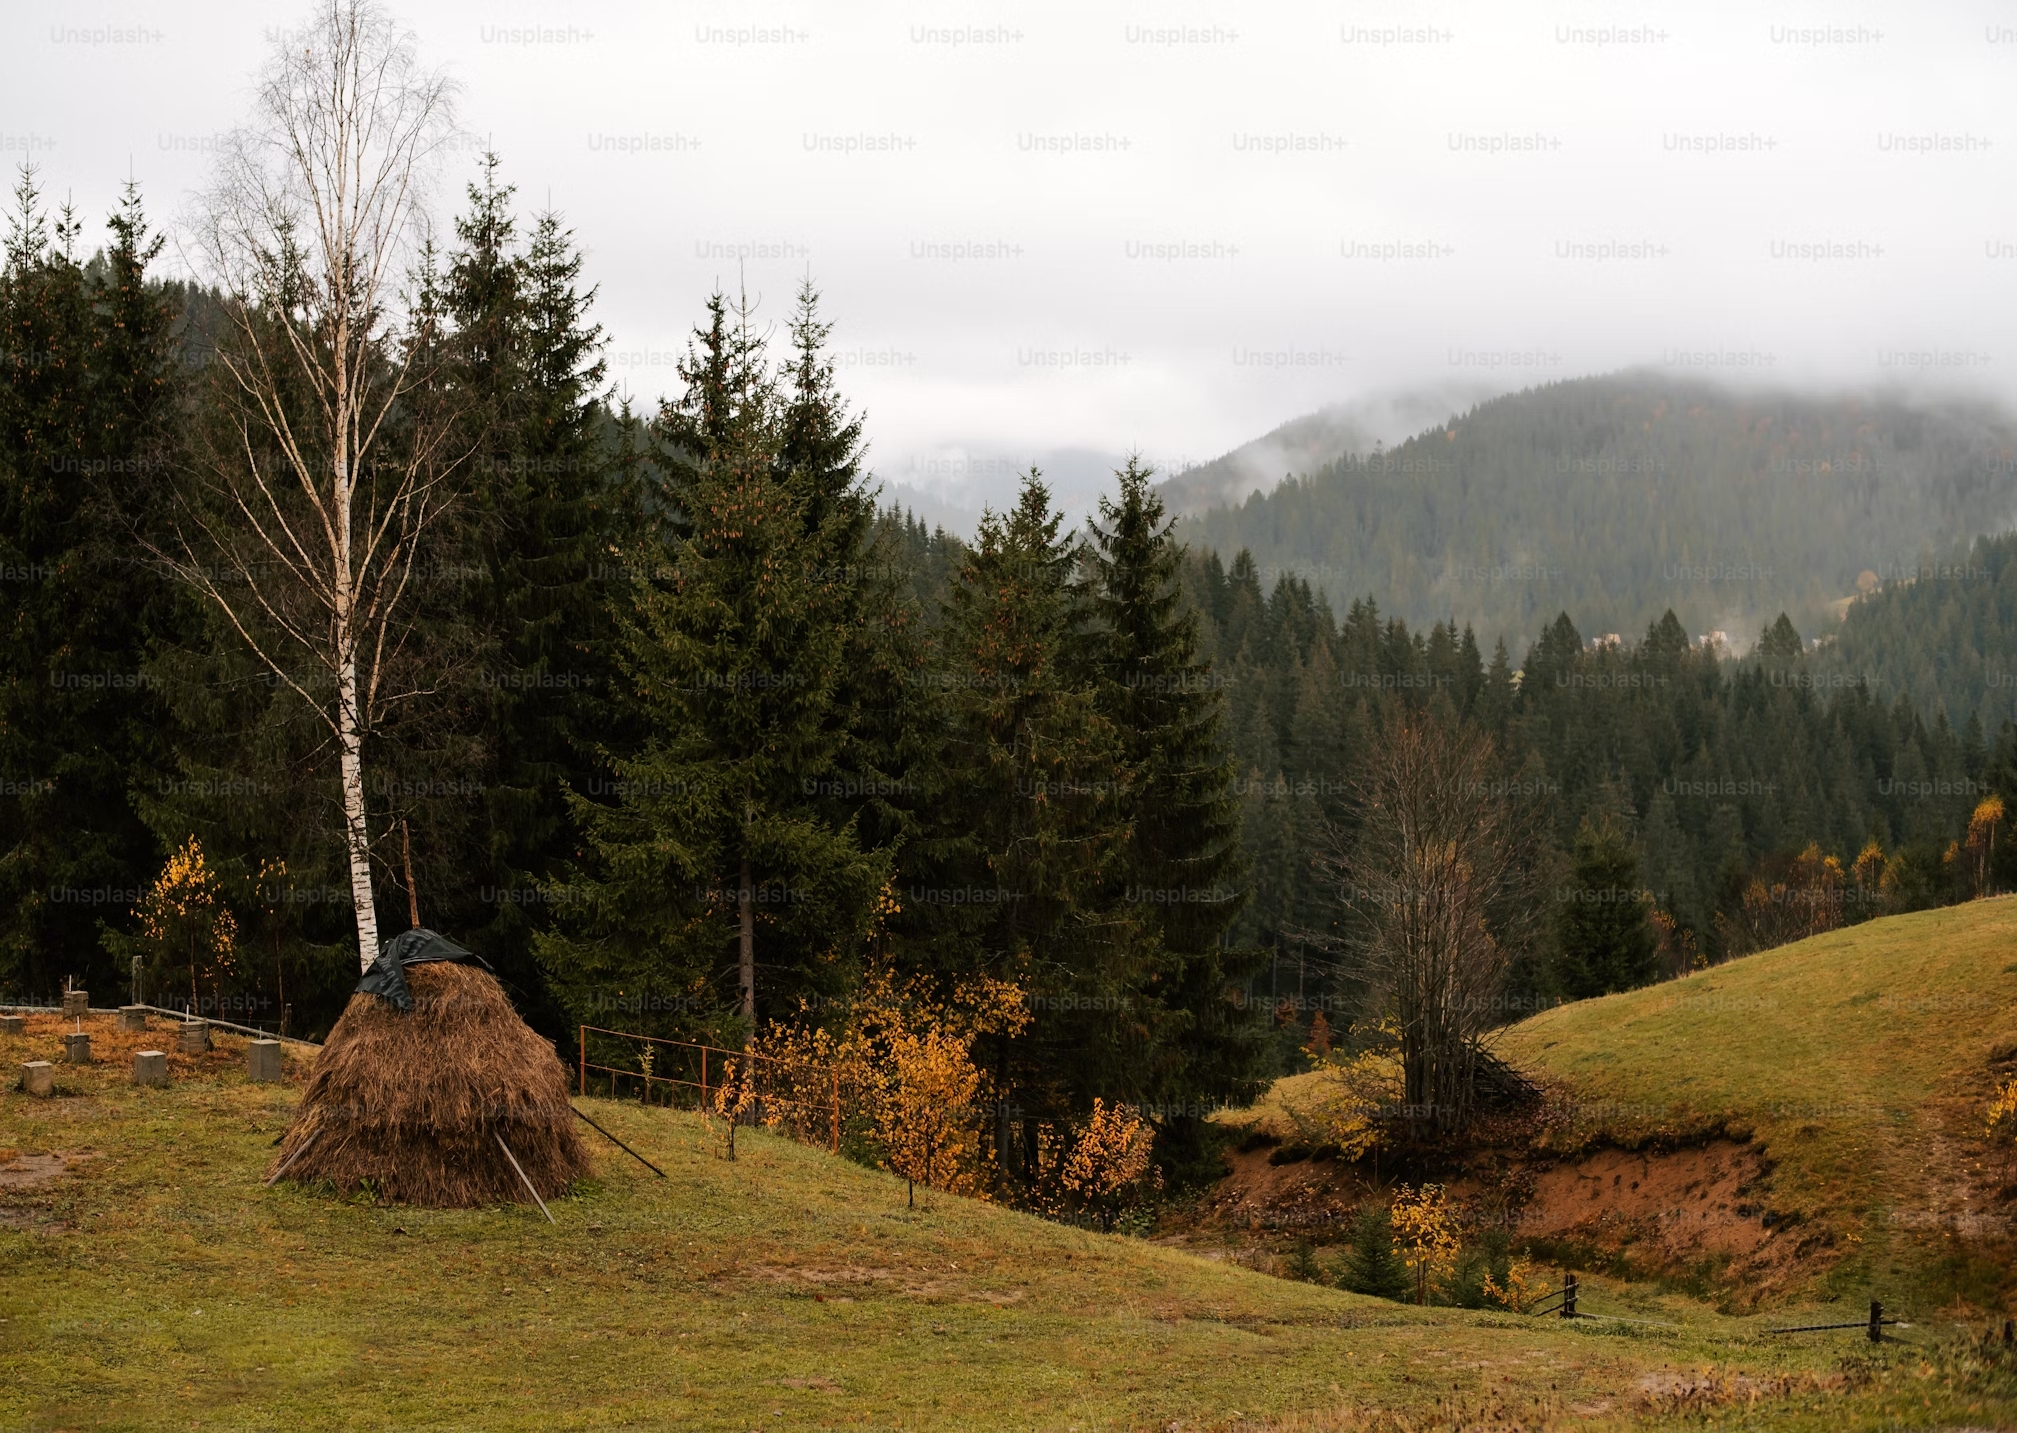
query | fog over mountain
(1098,229)
(1615,498)
(1305,444)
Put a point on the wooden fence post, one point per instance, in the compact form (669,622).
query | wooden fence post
(836,1109)
(1568,1296)
(1876,1322)
(583,1048)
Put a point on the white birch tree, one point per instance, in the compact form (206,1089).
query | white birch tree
(306,524)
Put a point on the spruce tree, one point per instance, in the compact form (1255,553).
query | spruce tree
(1370,1265)
(719,869)
(88,397)
(1496,697)
(1032,824)
(542,506)
(1606,940)
(858,569)
(1780,642)
(1669,864)
(1182,862)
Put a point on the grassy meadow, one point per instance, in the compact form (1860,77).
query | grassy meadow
(154,1282)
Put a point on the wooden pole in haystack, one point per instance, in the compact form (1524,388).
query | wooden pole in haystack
(299,1150)
(406,859)
(521,1174)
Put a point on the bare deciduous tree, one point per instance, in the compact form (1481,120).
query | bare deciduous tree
(305,527)
(1437,888)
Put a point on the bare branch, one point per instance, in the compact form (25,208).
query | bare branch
(317,207)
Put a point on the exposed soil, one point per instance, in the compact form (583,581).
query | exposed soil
(1695,1202)
(1698,1209)
(25,1171)
(20,1173)
(1310,1198)
(1694,1210)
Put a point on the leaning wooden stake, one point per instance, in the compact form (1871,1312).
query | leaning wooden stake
(299,1150)
(521,1174)
(624,1147)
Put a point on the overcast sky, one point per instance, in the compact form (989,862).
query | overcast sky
(1045,227)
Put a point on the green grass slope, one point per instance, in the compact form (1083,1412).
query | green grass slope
(156,1282)
(1860,1060)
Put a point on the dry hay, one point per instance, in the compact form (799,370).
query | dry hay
(409,1104)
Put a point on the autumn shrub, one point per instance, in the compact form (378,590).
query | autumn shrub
(186,929)
(2002,1113)
(1349,1092)
(901,1065)
(1425,1236)
(1096,1166)
(1486,1275)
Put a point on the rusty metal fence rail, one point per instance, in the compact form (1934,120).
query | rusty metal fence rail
(703,1069)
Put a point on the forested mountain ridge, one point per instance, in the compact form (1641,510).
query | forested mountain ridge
(1311,442)
(1945,637)
(1732,802)
(1616,498)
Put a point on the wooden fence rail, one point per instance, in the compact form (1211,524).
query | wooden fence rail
(722,1061)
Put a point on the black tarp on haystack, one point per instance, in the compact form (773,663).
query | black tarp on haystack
(386,977)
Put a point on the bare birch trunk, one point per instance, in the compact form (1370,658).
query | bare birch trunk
(356,835)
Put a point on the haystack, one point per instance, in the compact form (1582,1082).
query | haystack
(412,1101)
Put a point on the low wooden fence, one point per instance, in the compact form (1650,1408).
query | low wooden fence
(779,1086)
(1567,1294)
(1561,1303)
(1874,1326)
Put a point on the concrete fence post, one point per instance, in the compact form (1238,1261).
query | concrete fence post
(132,1017)
(76,1003)
(263,1060)
(38,1078)
(77,1049)
(195,1037)
(13,1025)
(150,1067)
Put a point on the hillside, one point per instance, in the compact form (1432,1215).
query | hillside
(1306,444)
(1946,636)
(1617,497)
(1857,1062)
(1802,1123)
(149,1276)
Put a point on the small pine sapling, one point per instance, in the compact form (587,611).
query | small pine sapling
(1370,1265)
